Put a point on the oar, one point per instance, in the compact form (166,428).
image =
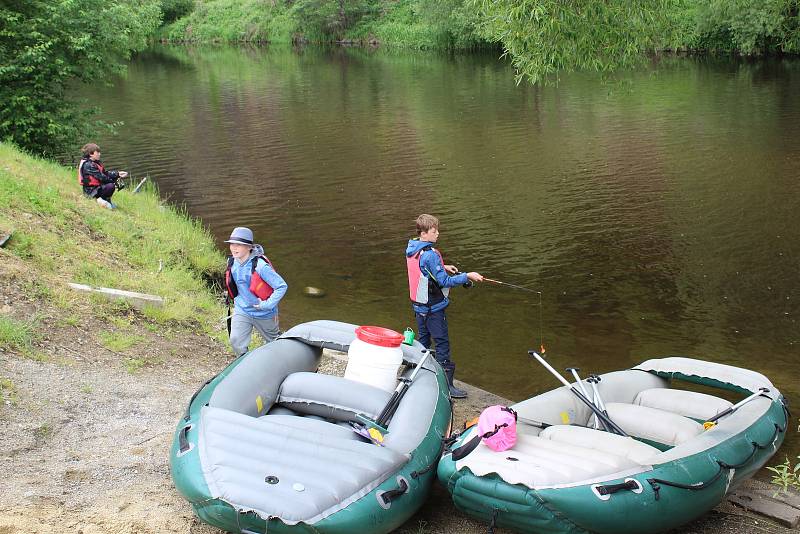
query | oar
(713,421)
(594,380)
(499,283)
(607,422)
(376,430)
(399,392)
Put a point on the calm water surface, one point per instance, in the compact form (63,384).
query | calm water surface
(657,216)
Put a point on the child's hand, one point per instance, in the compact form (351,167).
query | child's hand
(475,277)
(123,174)
(451,269)
(262,305)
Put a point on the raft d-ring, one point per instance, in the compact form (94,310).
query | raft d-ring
(386,497)
(185,446)
(638,489)
(598,494)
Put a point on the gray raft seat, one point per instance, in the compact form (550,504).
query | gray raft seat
(599,440)
(665,416)
(295,468)
(691,404)
(560,455)
(302,461)
(651,424)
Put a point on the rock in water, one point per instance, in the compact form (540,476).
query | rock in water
(313,292)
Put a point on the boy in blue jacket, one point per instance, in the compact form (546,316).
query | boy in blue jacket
(250,311)
(429,283)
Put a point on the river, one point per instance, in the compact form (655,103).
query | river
(658,213)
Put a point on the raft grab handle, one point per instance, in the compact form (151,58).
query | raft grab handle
(385,498)
(604,491)
(183,442)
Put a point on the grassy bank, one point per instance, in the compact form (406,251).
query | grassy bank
(404,23)
(59,236)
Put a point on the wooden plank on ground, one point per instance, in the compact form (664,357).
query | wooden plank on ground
(137,300)
(761,502)
(791,497)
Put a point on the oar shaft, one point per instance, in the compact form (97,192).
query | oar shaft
(759,393)
(400,390)
(579,381)
(550,368)
(607,422)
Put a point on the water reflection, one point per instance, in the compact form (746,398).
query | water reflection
(658,215)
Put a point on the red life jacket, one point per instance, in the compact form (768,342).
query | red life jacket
(422,287)
(258,286)
(91,181)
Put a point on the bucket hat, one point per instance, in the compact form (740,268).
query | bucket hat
(241,235)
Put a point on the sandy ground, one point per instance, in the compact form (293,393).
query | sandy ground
(84,441)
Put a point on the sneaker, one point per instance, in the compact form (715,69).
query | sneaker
(105,203)
(113,206)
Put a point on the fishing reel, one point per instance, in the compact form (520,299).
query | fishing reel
(468,284)
(120,183)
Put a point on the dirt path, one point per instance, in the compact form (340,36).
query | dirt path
(85,434)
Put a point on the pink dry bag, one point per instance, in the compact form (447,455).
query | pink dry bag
(497,425)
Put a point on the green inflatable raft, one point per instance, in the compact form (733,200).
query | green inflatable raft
(268,445)
(684,450)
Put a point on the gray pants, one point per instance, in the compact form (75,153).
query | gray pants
(242,328)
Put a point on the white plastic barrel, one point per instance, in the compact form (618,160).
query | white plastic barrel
(374,357)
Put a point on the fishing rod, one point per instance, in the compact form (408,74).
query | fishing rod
(498,282)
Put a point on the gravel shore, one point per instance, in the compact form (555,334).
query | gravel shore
(84,436)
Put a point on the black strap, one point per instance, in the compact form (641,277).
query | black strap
(466,448)
(609,489)
(183,442)
(186,415)
(493,521)
(391,495)
(655,483)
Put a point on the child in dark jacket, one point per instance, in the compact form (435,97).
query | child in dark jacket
(429,282)
(97,182)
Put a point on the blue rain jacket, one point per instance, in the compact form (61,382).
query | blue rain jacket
(245,301)
(432,266)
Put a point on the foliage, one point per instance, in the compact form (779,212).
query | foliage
(331,18)
(408,23)
(233,21)
(172,10)
(545,36)
(786,476)
(455,18)
(751,27)
(45,45)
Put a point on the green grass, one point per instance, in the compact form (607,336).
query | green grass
(233,21)
(16,335)
(62,237)
(118,341)
(396,23)
(134,365)
(8,391)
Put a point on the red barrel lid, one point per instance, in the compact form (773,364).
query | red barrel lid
(378,335)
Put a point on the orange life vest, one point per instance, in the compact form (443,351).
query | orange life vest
(258,286)
(91,181)
(422,287)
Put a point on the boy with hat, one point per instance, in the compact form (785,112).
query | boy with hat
(429,282)
(255,306)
